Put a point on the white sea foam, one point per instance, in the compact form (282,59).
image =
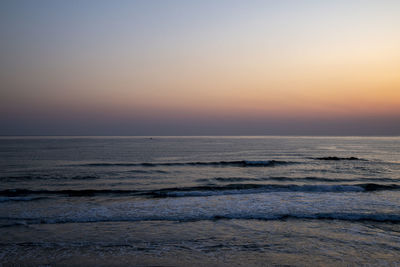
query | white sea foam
(266,206)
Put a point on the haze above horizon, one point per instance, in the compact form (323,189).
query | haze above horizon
(200,67)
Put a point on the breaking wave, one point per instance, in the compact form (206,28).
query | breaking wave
(353,217)
(297,179)
(236,163)
(208,190)
(232,189)
(339,158)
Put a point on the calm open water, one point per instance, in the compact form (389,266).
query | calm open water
(215,201)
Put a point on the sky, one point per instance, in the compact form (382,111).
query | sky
(288,67)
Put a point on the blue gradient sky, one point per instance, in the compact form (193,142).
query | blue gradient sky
(200,67)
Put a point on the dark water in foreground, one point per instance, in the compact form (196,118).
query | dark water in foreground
(200,201)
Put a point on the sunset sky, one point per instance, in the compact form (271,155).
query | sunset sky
(200,67)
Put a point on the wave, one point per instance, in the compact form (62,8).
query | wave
(25,198)
(67,192)
(76,177)
(352,217)
(49,177)
(394,218)
(208,190)
(297,179)
(232,189)
(339,158)
(236,163)
(147,171)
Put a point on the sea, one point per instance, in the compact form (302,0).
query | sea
(199,201)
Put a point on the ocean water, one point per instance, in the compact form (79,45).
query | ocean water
(200,201)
